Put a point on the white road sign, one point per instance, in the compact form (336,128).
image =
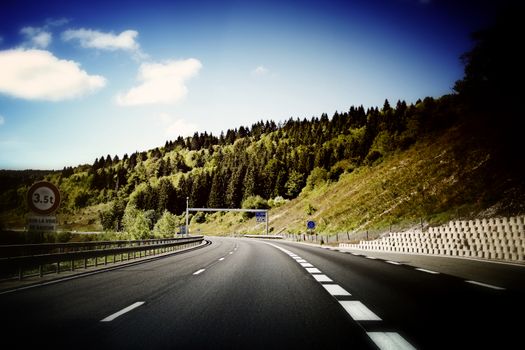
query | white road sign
(43,198)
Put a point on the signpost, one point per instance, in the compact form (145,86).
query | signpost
(43,199)
(260,216)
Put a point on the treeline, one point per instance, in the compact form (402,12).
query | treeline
(268,163)
(265,161)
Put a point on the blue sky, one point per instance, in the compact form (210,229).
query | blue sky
(79,80)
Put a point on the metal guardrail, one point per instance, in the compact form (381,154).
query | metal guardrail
(49,262)
(47,248)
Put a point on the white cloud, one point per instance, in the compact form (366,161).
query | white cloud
(161,83)
(104,41)
(39,75)
(2,120)
(37,37)
(57,22)
(260,71)
(175,127)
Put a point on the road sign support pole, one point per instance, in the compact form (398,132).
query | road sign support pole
(267,223)
(187,214)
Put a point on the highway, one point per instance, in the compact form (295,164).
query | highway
(255,294)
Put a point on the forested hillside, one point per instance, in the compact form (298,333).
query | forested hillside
(267,164)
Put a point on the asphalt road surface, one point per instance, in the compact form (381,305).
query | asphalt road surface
(253,294)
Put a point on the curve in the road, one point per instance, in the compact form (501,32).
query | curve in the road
(383,338)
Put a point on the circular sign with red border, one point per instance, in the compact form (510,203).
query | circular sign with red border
(43,198)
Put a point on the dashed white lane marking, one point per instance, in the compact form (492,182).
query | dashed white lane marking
(358,311)
(335,290)
(427,271)
(393,262)
(371,257)
(486,285)
(221,259)
(122,312)
(301,261)
(313,270)
(199,271)
(389,340)
(231,253)
(322,278)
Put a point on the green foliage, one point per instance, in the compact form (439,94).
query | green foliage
(81,199)
(317,177)
(277,202)
(255,202)
(136,223)
(198,218)
(294,184)
(249,166)
(166,226)
(310,209)
(111,219)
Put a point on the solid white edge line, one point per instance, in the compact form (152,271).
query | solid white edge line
(122,312)
(358,311)
(85,274)
(485,285)
(393,262)
(199,271)
(389,340)
(427,271)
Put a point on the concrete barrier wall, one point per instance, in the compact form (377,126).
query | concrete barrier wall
(492,238)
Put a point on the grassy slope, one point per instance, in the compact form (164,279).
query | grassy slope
(441,177)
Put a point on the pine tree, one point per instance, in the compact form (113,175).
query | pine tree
(217,190)
(234,190)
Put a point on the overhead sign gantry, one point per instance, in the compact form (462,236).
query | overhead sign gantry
(261,215)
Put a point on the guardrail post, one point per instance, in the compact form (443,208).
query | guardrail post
(151,247)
